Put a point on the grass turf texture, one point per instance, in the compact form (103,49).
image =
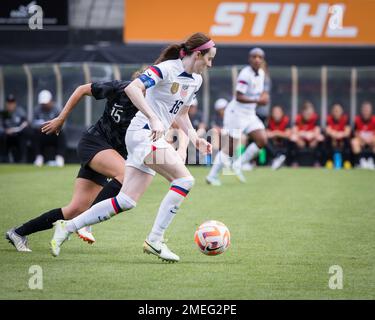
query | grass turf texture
(288,227)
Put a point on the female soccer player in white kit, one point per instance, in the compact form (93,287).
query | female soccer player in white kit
(171,86)
(240,118)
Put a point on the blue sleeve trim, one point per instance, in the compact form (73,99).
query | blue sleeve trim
(147,81)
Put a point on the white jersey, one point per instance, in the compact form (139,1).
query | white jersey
(252,86)
(169,90)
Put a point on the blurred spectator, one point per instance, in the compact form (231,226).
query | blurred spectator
(15,131)
(337,138)
(44,112)
(196,118)
(306,134)
(217,122)
(364,137)
(178,139)
(278,133)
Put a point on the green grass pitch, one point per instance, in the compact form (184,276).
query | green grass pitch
(287,228)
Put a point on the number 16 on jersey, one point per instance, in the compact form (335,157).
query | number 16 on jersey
(176,106)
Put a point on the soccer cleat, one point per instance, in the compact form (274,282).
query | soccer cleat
(39,160)
(363,163)
(60,162)
(160,249)
(86,235)
(278,162)
(239,175)
(248,166)
(59,237)
(370,163)
(213,181)
(19,242)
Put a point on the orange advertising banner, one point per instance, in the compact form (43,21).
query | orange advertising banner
(281,22)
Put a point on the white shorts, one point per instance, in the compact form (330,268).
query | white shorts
(139,145)
(237,122)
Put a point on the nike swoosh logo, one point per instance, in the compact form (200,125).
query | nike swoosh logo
(213,249)
(157,251)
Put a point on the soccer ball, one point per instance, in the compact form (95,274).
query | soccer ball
(212,237)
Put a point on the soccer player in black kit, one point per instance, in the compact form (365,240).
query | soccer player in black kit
(102,153)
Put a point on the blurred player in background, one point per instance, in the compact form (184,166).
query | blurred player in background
(338,133)
(171,85)
(364,137)
(263,111)
(278,133)
(240,117)
(102,153)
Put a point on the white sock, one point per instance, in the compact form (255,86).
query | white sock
(169,206)
(221,160)
(101,211)
(250,153)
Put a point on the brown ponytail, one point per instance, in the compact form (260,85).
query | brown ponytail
(173,51)
(169,53)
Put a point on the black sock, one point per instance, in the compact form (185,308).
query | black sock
(110,190)
(43,222)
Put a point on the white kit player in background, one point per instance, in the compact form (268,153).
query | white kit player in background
(171,86)
(240,118)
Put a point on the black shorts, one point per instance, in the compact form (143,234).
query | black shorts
(90,144)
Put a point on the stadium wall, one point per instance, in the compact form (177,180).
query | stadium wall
(227,55)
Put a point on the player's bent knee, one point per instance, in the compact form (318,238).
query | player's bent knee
(182,185)
(122,202)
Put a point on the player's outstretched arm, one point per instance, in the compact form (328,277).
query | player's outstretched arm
(55,125)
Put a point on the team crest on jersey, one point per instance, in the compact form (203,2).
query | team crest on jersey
(184,90)
(175,87)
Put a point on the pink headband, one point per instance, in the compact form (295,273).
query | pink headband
(205,46)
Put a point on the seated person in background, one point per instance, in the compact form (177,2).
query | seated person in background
(217,123)
(306,133)
(46,111)
(178,139)
(364,136)
(16,132)
(337,136)
(278,133)
(3,157)
(196,118)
